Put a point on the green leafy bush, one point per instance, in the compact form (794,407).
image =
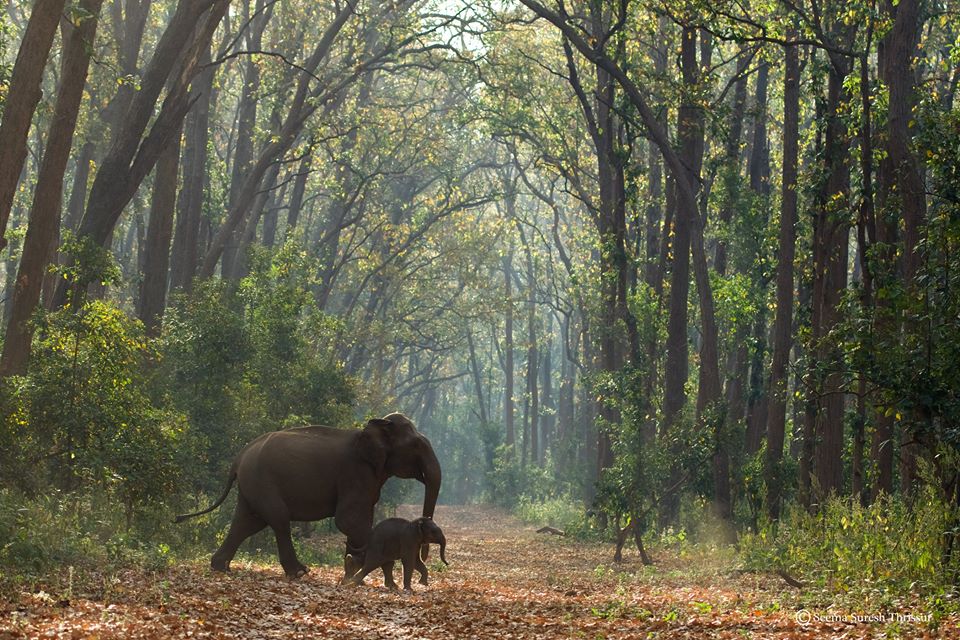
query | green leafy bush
(875,552)
(242,363)
(82,417)
(56,537)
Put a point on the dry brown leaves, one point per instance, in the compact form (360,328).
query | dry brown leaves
(504,582)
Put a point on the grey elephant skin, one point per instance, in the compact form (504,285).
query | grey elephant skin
(311,473)
(398,539)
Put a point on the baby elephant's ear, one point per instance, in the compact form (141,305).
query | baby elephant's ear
(423,524)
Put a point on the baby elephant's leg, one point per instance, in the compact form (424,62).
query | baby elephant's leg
(408,566)
(422,568)
(388,575)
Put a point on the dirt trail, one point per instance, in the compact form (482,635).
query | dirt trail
(504,581)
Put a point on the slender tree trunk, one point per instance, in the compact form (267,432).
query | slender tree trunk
(732,159)
(477,379)
(246,125)
(676,369)
(760,185)
(908,192)
(132,156)
(156,263)
(78,194)
(22,96)
(783,321)
(296,197)
(186,240)
(508,412)
(830,282)
(866,237)
(737,359)
(533,360)
(45,211)
(548,419)
(241,261)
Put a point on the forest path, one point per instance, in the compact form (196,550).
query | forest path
(504,581)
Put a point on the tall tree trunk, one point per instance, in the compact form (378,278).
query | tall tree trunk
(731,158)
(863,270)
(186,239)
(830,281)
(246,125)
(156,262)
(78,195)
(783,320)
(566,410)
(737,358)
(296,197)
(132,156)
(760,185)
(22,96)
(477,380)
(45,211)
(906,191)
(508,412)
(532,401)
(548,419)
(676,369)
(241,262)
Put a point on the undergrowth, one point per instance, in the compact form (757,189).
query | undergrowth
(869,558)
(77,543)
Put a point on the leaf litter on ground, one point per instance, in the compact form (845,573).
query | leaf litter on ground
(505,581)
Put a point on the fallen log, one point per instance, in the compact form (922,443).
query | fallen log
(556,532)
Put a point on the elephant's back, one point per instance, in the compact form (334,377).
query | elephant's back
(298,466)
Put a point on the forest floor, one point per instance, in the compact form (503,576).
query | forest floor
(504,581)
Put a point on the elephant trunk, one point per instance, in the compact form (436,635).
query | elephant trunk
(443,549)
(431,483)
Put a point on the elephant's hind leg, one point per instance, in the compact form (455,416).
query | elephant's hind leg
(245,523)
(288,555)
(388,575)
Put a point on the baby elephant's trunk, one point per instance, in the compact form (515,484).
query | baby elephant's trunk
(443,549)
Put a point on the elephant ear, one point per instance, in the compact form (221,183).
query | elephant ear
(371,447)
(422,524)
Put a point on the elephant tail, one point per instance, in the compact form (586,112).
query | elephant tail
(226,492)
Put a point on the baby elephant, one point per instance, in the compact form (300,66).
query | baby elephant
(399,539)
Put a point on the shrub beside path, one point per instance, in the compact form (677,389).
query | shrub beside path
(505,581)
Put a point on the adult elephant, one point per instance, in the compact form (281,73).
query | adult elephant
(311,473)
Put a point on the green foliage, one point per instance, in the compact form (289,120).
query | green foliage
(83,417)
(52,537)
(88,264)
(204,348)
(512,481)
(562,513)
(871,553)
(292,361)
(240,364)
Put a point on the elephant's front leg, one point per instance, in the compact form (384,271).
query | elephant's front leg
(422,569)
(408,565)
(352,563)
(354,522)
